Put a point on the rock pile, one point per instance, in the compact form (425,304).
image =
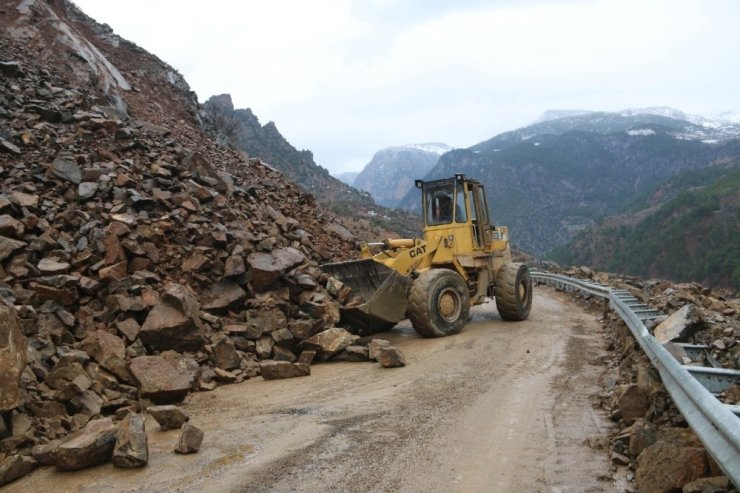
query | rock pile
(139,259)
(653,440)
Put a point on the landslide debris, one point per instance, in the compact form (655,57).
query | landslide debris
(140,260)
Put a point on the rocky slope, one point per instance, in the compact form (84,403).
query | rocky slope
(140,259)
(241,129)
(552,179)
(390,175)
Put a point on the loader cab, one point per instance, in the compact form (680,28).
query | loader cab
(456,206)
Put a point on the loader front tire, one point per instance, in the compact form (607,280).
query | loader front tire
(513,292)
(439,303)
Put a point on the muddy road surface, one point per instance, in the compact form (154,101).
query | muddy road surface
(500,407)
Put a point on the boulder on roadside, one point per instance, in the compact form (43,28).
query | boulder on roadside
(12,358)
(168,417)
(374,347)
(681,325)
(190,439)
(633,403)
(87,447)
(329,342)
(272,370)
(158,380)
(391,357)
(131,449)
(676,459)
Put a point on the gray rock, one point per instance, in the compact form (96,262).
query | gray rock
(266,268)
(391,357)
(190,439)
(158,380)
(168,417)
(66,168)
(87,190)
(88,447)
(681,325)
(12,358)
(131,449)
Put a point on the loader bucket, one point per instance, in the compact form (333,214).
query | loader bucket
(382,289)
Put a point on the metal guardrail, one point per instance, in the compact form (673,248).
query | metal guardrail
(716,424)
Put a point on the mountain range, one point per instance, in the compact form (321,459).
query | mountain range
(552,179)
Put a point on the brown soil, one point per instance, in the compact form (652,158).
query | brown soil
(500,407)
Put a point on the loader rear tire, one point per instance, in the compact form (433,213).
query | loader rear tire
(513,292)
(439,303)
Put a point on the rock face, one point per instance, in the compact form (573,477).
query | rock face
(131,449)
(158,380)
(12,358)
(90,446)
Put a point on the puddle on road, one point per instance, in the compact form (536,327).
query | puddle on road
(235,455)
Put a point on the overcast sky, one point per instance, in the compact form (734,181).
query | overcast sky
(345,78)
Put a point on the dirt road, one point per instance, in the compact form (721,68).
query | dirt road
(500,407)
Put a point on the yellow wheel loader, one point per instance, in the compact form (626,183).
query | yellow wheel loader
(461,260)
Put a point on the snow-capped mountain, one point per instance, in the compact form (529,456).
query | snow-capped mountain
(392,171)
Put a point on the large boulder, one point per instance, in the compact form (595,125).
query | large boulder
(676,459)
(174,322)
(88,447)
(681,325)
(12,358)
(266,268)
(158,380)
